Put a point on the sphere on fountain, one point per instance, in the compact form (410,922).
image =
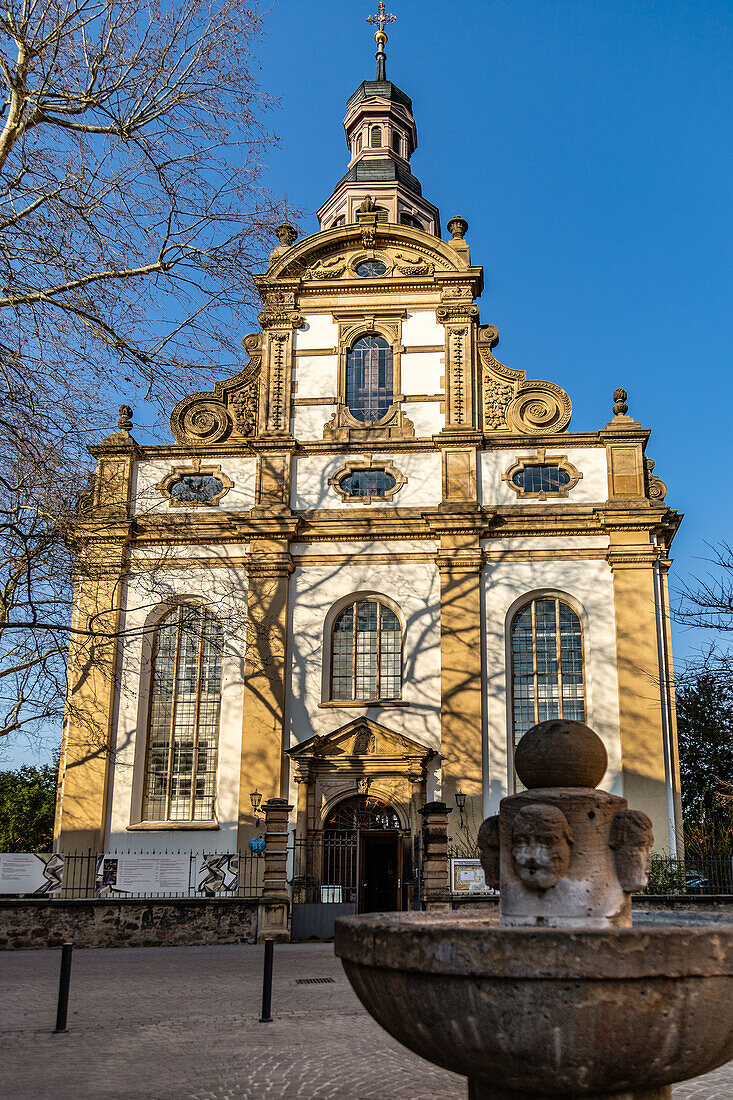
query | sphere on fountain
(560,753)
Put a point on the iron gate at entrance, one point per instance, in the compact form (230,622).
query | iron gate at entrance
(356,865)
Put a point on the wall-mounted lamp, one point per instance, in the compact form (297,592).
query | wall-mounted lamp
(461,804)
(255,799)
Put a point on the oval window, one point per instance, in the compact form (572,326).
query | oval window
(367,483)
(541,479)
(370,268)
(196,488)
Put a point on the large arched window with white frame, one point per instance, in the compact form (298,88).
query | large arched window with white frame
(183,724)
(366,653)
(547,664)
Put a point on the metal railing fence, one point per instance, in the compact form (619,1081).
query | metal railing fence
(690,876)
(121,873)
(325,868)
(667,875)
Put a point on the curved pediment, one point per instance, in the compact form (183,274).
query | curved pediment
(334,254)
(228,412)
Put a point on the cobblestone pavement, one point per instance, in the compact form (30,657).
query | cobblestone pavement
(182,1022)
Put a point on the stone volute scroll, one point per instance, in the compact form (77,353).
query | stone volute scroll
(511,403)
(229,412)
(570,855)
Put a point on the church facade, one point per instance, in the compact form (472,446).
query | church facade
(370,561)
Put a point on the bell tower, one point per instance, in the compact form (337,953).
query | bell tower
(381,136)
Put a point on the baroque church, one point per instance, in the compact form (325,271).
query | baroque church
(368,562)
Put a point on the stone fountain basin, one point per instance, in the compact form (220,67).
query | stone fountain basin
(547,1011)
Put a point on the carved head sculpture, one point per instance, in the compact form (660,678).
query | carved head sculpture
(542,842)
(631,840)
(488,845)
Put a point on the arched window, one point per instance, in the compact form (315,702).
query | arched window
(547,664)
(410,219)
(369,383)
(183,728)
(366,653)
(358,143)
(396,142)
(376,137)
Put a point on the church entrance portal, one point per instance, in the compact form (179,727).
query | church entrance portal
(373,867)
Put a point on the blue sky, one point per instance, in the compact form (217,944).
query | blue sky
(589,147)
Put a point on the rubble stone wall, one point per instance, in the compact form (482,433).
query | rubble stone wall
(39,922)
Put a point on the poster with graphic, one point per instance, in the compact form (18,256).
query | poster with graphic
(133,876)
(31,872)
(217,874)
(467,877)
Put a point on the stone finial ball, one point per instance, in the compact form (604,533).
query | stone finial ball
(560,753)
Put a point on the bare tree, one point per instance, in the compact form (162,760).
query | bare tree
(130,207)
(131,217)
(706,603)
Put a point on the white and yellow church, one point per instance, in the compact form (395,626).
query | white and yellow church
(369,561)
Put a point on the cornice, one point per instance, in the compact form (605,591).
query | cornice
(347,525)
(248,448)
(125,448)
(633,434)
(274,565)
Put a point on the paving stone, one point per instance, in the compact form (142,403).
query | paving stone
(181,1023)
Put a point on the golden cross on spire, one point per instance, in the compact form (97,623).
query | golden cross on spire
(381,18)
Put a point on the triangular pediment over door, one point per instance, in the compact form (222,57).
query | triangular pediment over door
(361,757)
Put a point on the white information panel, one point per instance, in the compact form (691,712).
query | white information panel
(217,874)
(30,872)
(467,877)
(134,875)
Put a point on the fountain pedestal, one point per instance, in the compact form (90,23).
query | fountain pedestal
(560,997)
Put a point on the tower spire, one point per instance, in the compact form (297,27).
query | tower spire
(381,38)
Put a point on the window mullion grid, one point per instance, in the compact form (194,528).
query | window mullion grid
(354,644)
(558,643)
(174,708)
(197,718)
(379,652)
(535,674)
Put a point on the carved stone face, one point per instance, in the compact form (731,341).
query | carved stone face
(488,844)
(541,846)
(631,840)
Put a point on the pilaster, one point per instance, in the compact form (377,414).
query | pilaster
(278,320)
(459,562)
(645,738)
(86,752)
(459,317)
(269,567)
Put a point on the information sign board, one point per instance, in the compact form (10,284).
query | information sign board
(31,872)
(467,877)
(143,874)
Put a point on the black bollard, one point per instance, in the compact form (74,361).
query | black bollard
(266,1018)
(64,981)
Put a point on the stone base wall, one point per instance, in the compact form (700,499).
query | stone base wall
(39,923)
